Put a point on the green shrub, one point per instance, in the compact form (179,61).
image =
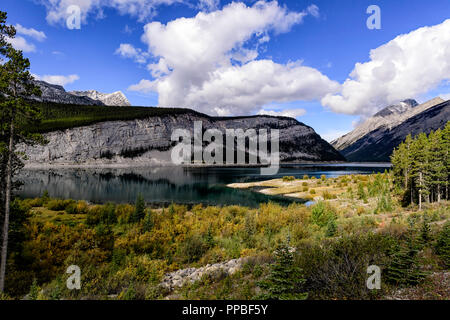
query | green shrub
(139,211)
(58,204)
(442,246)
(322,214)
(288,178)
(312,191)
(305,177)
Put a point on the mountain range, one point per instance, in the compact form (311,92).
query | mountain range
(57,94)
(375,139)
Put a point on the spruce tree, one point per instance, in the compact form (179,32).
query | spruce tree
(285,279)
(139,210)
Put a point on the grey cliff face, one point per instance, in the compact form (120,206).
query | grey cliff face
(148,141)
(376,138)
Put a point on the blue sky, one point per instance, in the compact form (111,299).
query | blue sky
(328,41)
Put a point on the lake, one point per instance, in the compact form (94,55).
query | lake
(164,185)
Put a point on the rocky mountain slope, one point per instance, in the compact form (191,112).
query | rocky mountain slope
(110,99)
(57,94)
(148,141)
(375,139)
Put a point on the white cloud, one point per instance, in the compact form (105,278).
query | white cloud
(58,79)
(141,9)
(333,134)
(20,43)
(292,113)
(445,96)
(208,5)
(195,65)
(33,33)
(313,10)
(407,66)
(126,50)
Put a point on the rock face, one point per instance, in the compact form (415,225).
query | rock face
(110,99)
(148,141)
(57,94)
(375,139)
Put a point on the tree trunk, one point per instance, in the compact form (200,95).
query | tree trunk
(7,207)
(420,191)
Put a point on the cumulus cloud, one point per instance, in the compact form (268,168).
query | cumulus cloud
(30,32)
(141,9)
(20,43)
(407,66)
(126,50)
(205,62)
(58,79)
(292,113)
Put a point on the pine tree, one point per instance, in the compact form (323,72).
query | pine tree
(139,211)
(285,279)
(17,116)
(148,222)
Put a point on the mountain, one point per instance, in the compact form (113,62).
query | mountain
(57,94)
(110,99)
(148,140)
(375,139)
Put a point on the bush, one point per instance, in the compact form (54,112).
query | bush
(59,205)
(312,191)
(287,179)
(337,268)
(328,196)
(442,247)
(322,214)
(192,249)
(323,177)
(305,177)
(79,207)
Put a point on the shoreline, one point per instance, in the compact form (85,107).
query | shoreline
(35,166)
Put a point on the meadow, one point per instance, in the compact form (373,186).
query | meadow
(125,251)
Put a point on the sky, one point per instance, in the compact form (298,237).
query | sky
(317,61)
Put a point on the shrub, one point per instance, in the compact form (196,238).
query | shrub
(305,184)
(79,207)
(287,179)
(337,268)
(322,214)
(323,177)
(192,249)
(305,177)
(312,191)
(442,247)
(328,196)
(58,204)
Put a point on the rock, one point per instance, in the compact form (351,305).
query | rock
(148,141)
(109,99)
